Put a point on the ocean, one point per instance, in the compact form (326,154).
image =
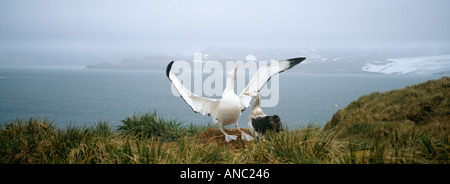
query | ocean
(82,97)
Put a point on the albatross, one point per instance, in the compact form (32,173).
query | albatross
(256,112)
(226,111)
(258,121)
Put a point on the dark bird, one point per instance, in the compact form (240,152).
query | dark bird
(258,121)
(267,123)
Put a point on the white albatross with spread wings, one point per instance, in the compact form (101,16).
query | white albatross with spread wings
(226,111)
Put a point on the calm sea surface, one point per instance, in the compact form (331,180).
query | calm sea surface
(82,97)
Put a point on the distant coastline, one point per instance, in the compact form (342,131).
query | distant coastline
(110,66)
(318,61)
(136,63)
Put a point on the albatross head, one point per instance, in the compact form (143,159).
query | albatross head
(231,79)
(233,72)
(253,93)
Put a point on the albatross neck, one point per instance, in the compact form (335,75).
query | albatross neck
(229,88)
(256,103)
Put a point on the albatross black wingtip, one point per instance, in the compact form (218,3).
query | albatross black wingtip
(169,67)
(296,60)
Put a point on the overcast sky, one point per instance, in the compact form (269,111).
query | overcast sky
(191,25)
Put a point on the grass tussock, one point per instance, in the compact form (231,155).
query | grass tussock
(152,125)
(379,128)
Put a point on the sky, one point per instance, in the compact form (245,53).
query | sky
(186,26)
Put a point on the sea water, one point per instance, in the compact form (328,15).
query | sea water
(82,97)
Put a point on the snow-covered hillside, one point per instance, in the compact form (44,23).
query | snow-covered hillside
(437,64)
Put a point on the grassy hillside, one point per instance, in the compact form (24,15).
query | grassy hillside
(425,106)
(405,124)
(402,126)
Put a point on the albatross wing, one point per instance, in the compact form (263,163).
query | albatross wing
(263,75)
(202,105)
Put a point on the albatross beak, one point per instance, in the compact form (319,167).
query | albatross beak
(246,93)
(235,70)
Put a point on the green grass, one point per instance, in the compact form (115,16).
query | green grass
(138,140)
(380,128)
(152,125)
(40,142)
(423,104)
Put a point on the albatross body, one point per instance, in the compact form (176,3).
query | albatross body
(229,109)
(258,120)
(256,110)
(226,111)
(267,123)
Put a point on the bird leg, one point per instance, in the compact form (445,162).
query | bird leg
(228,138)
(244,135)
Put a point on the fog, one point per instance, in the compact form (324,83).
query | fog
(119,28)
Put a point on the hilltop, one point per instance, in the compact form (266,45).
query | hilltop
(426,104)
